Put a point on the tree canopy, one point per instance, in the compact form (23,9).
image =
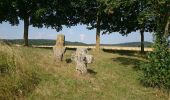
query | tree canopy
(22,10)
(38,13)
(57,13)
(108,16)
(7,12)
(159,11)
(102,15)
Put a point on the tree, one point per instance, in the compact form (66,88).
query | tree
(157,69)
(94,14)
(144,24)
(26,10)
(39,13)
(88,14)
(131,19)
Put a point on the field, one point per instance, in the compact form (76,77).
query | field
(35,76)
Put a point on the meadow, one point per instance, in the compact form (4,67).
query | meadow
(31,74)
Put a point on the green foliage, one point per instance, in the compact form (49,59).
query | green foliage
(105,12)
(7,12)
(157,69)
(57,13)
(157,13)
(26,9)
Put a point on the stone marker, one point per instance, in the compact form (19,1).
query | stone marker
(59,48)
(60,42)
(82,59)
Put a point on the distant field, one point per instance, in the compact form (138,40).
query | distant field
(40,43)
(52,42)
(35,76)
(112,48)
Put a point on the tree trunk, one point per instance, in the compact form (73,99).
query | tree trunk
(142,41)
(98,34)
(26,28)
(166,33)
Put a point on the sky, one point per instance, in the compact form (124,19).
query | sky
(77,33)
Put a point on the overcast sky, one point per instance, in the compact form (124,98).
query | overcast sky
(78,33)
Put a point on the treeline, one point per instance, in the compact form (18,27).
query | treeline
(47,42)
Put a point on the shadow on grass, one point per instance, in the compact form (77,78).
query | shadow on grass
(126,53)
(129,61)
(92,72)
(68,60)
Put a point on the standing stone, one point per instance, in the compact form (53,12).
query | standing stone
(59,48)
(60,42)
(58,53)
(82,59)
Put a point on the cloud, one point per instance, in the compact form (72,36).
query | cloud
(82,37)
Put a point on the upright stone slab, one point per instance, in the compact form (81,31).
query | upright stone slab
(82,59)
(59,48)
(60,42)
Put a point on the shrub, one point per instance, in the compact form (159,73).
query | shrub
(157,69)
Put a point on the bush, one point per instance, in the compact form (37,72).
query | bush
(157,69)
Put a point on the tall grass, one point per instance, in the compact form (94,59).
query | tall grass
(16,79)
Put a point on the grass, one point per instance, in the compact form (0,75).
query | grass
(37,77)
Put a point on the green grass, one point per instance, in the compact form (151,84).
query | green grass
(113,77)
